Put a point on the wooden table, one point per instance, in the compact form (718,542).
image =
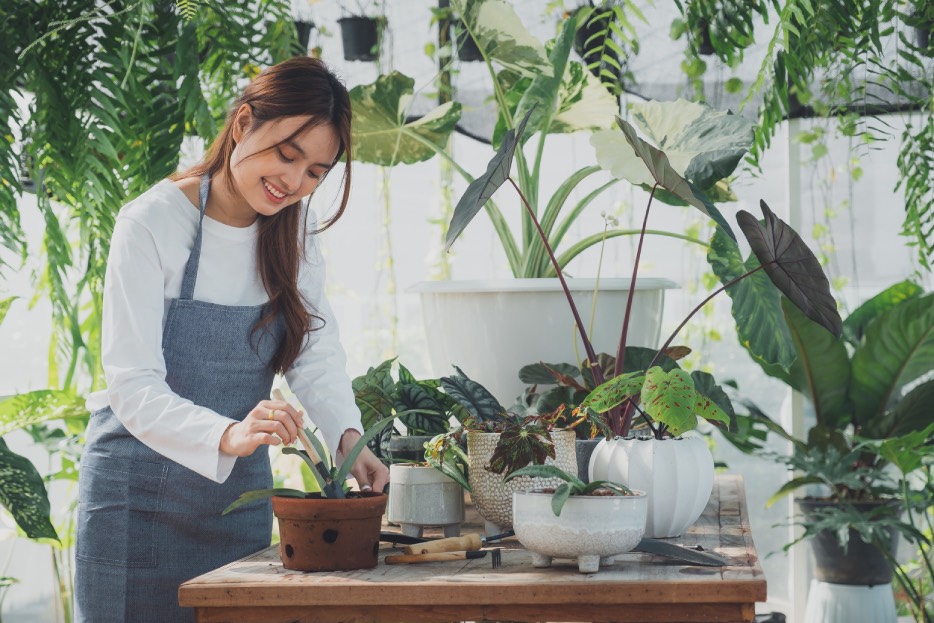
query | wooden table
(638,588)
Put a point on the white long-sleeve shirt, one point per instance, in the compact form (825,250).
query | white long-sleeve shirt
(152,240)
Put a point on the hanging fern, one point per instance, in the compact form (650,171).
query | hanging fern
(188,9)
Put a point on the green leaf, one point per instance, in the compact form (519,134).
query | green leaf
(854,327)
(520,445)
(544,471)
(501,36)
(373,393)
(5,306)
(821,370)
(760,322)
(669,397)
(351,456)
(481,189)
(703,144)
(792,267)
(321,479)
(614,392)
(473,396)
(898,348)
(432,418)
(631,158)
(614,487)
(910,414)
(38,406)
(23,494)
(712,402)
(792,485)
(541,373)
(262,494)
(560,496)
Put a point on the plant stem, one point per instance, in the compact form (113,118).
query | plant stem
(591,355)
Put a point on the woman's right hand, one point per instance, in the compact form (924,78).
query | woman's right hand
(270,423)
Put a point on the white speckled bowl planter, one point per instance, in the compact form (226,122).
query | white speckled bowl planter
(491,496)
(590,529)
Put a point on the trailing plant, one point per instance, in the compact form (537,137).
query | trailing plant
(571,486)
(671,398)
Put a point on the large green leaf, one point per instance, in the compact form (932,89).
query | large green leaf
(501,36)
(543,373)
(898,348)
(910,414)
(381,134)
(583,103)
(707,388)
(481,189)
(39,406)
(474,397)
(631,158)
(373,393)
(821,370)
(23,494)
(263,494)
(613,392)
(791,266)
(855,324)
(703,144)
(669,397)
(431,419)
(760,323)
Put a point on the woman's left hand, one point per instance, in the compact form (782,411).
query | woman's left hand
(369,471)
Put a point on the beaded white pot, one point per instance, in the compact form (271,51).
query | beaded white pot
(591,529)
(491,496)
(677,474)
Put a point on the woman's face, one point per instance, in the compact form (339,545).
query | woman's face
(270,174)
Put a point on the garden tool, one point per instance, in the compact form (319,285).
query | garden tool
(332,490)
(647,546)
(398,559)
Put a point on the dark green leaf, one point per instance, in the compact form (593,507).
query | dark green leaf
(561,495)
(23,494)
(263,494)
(854,327)
(792,267)
(540,373)
(478,401)
(481,189)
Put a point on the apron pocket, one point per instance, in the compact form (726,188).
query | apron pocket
(119,501)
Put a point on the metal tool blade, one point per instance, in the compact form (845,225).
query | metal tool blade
(680,552)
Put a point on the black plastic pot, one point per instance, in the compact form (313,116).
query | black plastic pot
(584,449)
(863,564)
(360,36)
(408,447)
(467,49)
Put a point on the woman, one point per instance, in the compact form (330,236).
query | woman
(214,284)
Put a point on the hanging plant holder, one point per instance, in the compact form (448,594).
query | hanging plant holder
(361,37)
(303,30)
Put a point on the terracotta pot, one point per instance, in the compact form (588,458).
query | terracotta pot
(320,534)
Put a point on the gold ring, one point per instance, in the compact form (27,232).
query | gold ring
(272,415)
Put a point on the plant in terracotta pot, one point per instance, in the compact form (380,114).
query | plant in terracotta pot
(591,523)
(670,402)
(330,530)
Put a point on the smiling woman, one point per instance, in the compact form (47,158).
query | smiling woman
(214,284)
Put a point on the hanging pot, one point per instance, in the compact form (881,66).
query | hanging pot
(677,474)
(490,495)
(321,534)
(360,37)
(467,49)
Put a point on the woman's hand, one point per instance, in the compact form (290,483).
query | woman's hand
(369,471)
(270,423)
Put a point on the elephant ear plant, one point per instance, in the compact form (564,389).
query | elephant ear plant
(670,399)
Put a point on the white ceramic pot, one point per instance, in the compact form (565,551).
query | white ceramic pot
(421,496)
(677,475)
(490,495)
(490,329)
(590,529)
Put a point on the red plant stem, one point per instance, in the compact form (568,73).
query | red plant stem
(591,355)
(621,417)
(628,423)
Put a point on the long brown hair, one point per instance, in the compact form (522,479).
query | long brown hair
(300,86)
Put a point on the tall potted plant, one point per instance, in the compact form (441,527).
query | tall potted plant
(669,401)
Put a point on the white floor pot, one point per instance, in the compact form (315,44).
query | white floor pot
(491,496)
(591,529)
(421,496)
(490,329)
(677,475)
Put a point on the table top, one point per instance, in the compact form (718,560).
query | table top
(638,587)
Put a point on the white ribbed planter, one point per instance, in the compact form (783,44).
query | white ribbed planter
(490,329)
(421,496)
(677,475)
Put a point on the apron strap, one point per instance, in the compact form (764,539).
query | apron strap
(191,268)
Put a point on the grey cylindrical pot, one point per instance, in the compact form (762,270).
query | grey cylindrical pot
(584,448)
(862,564)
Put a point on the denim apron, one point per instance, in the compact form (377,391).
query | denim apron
(145,523)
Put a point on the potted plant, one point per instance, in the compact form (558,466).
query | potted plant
(361,35)
(670,402)
(498,443)
(421,495)
(332,529)
(868,386)
(591,523)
